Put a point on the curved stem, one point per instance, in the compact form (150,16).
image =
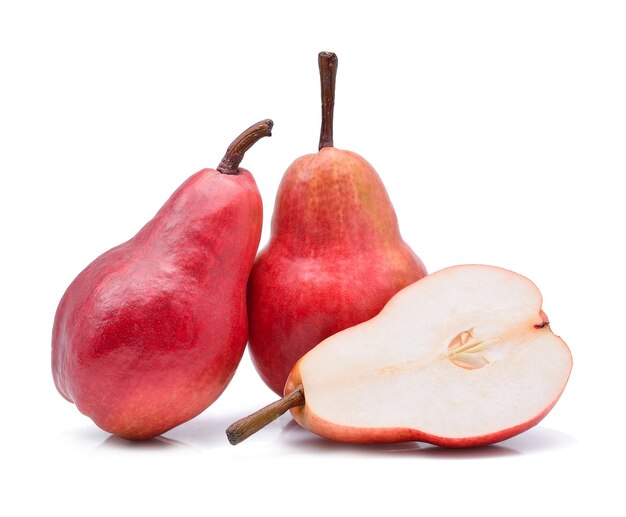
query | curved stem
(328,72)
(249,425)
(236,150)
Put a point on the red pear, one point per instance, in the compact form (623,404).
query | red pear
(464,357)
(335,256)
(150,333)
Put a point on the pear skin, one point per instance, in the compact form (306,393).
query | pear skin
(150,333)
(335,254)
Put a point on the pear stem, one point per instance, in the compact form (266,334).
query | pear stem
(236,150)
(249,425)
(328,72)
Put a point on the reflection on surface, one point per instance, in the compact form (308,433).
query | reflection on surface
(535,440)
(202,432)
(158,443)
(540,439)
(285,436)
(206,431)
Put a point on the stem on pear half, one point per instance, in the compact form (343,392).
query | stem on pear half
(236,150)
(328,72)
(249,425)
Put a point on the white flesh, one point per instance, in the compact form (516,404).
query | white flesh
(397,370)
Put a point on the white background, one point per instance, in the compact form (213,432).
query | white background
(499,129)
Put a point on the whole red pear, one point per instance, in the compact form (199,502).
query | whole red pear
(335,256)
(150,333)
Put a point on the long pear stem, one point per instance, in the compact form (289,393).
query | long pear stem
(236,150)
(328,72)
(249,425)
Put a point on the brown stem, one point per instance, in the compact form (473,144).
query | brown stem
(328,72)
(236,150)
(249,425)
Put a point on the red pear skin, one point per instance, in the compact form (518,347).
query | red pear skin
(335,255)
(151,332)
(335,258)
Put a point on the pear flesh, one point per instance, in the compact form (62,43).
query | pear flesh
(463,357)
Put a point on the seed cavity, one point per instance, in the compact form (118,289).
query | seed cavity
(469,353)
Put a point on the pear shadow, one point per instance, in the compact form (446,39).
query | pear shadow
(98,439)
(206,431)
(158,443)
(536,440)
(486,451)
(541,439)
(89,434)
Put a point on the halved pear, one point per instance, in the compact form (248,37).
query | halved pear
(464,357)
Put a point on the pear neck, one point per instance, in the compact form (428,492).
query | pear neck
(327,62)
(237,149)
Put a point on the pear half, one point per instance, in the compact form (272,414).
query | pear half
(463,357)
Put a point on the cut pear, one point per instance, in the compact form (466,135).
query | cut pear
(464,357)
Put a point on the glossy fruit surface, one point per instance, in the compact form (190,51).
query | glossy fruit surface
(335,255)
(151,332)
